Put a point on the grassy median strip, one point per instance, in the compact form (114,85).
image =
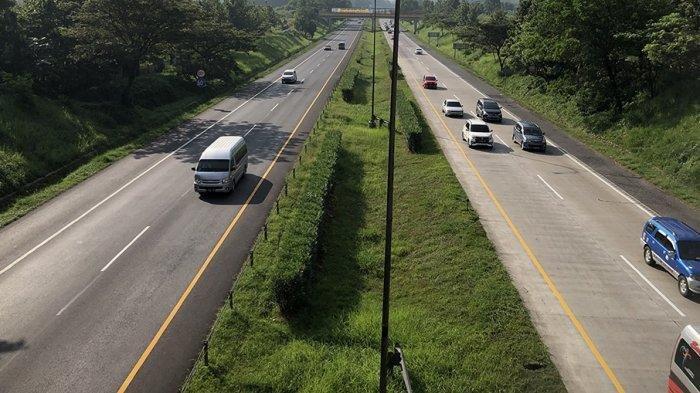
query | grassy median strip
(94,136)
(454,310)
(658,140)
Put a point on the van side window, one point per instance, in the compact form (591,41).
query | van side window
(663,240)
(688,361)
(241,153)
(649,228)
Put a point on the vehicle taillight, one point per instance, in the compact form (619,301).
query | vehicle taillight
(673,386)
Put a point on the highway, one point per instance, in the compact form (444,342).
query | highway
(113,284)
(570,239)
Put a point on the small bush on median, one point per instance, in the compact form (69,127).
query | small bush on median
(293,268)
(407,121)
(347,83)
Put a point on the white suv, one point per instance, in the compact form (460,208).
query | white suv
(477,133)
(452,107)
(289,76)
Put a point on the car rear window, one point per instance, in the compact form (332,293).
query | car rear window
(532,131)
(479,128)
(490,105)
(688,361)
(430,78)
(453,103)
(212,166)
(689,249)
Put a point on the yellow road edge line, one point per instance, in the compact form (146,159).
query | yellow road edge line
(151,345)
(550,284)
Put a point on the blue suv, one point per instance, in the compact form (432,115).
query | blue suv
(675,246)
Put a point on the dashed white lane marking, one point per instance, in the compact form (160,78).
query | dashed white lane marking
(273,108)
(652,286)
(499,138)
(550,187)
(251,129)
(124,249)
(455,96)
(311,72)
(290,92)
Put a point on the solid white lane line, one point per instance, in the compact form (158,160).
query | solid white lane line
(130,182)
(273,108)
(290,92)
(550,187)
(124,249)
(650,212)
(251,129)
(499,138)
(652,286)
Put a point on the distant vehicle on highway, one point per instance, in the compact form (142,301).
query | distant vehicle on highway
(676,247)
(341,45)
(488,109)
(289,76)
(418,51)
(529,136)
(477,133)
(452,107)
(221,165)
(390,31)
(685,365)
(430,81)
(327,47)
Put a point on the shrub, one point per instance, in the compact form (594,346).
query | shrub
(292,271)
(407,121)
(347,83)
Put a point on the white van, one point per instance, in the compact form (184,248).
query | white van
(684,376)
(221,165)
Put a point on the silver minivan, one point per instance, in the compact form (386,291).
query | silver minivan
(221,165)
(684,376)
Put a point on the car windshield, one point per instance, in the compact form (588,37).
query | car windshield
(689,249)
(490,105)
(289,73)
(430,78)
(453,103)
(212,166)
(532,131)
(479,128)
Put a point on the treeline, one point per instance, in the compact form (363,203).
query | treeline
(67,47)
(605,53)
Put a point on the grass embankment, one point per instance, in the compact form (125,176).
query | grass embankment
(453,307)
(39,135)
(658,139)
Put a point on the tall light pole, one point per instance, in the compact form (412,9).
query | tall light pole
(374,55)
(389,205)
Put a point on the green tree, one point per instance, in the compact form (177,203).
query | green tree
(305,17)
(13,47)
(490,33)
(126,32)
(673,43)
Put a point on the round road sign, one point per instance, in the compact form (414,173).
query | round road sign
(201,73)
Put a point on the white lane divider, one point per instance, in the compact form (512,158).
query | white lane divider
(455,96)
(550,187)
(98,275)
(290,92)
(251,129)
(499,138)
(273,108)
(311,72)
(652,286)
(124,249)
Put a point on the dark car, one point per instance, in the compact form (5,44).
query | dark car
(488,109)
(341,46)
(529,136)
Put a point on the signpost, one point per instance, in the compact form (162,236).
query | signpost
(435,34)
(201,82)
(458,45)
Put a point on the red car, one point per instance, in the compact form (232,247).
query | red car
(429,82)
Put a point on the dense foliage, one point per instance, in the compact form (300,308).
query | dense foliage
(609,53)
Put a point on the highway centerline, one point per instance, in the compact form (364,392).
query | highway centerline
(550,187)
(124,249)
(653,287)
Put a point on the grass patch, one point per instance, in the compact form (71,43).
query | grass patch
(80,138)
(454,310)
(659,139)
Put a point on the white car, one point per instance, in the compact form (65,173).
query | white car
(451,107)
(289,76)
(418,51)
(477,133)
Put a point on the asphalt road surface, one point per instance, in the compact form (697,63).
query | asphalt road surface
(569,237)
(114,284)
